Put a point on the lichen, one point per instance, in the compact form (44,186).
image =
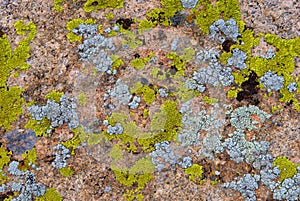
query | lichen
(148,93)
(50,195)
(82,99)
(195,173)
(11,105)
(140,173)
(102,4)
(66,171)
(54,95)
(287,168)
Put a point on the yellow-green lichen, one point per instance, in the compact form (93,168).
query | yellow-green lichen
(162,15)
(110,16)
(209,100)
(146,113)
(57,5)
(30,156)
(287,168)
(4,157)
(41,128)
(148,93)
(74,142)
(130,131)
(140,173)
(210,13)
(50,195)
(184,93)
(130,39)
(178,62)
(66,171)
(116,153)
(233,92)
(145,25)
(10,100)
(164,125)
(195,173)
(11,105)
(138,63)
(72,37)
(91,5)
(117,62)
(82,99)
(89,138)
(54,95)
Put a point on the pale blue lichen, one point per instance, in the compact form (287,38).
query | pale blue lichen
(61,156)
(272,81)
(292,87)
(241,117)
(135,102)
(116,129)
(57,113)
(237,59)
(247,185)
(229,28)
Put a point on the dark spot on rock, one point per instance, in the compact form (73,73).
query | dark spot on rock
(178,19)
(144,81)
(173,70)
(250,90)
(227,44)
(125,22)
(95,3)
(1,33)
(136,55)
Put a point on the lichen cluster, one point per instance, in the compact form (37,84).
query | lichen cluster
(157,104)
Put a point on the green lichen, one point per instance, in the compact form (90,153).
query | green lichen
(140,173)
(164,125)
(73,143)
(57,5)
(89,138)
(130,132)
(148,93)
(138,63)
(110,16)
(156,73)
(178,62)
(50,195)
(82,99)
(287,168)
(30,156)
(41,128)
(54,95)
(145,25)
(101,4)
(10,105)
(209,100)
(146,113)
(4,157)
(282,64)
(10,60)
(233,92)
(130,39)
(211,13)
(184,93)
(10,100)
(116,153)
(170,7)
(195,173)
(66,171)
(117,62)
(72,25)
